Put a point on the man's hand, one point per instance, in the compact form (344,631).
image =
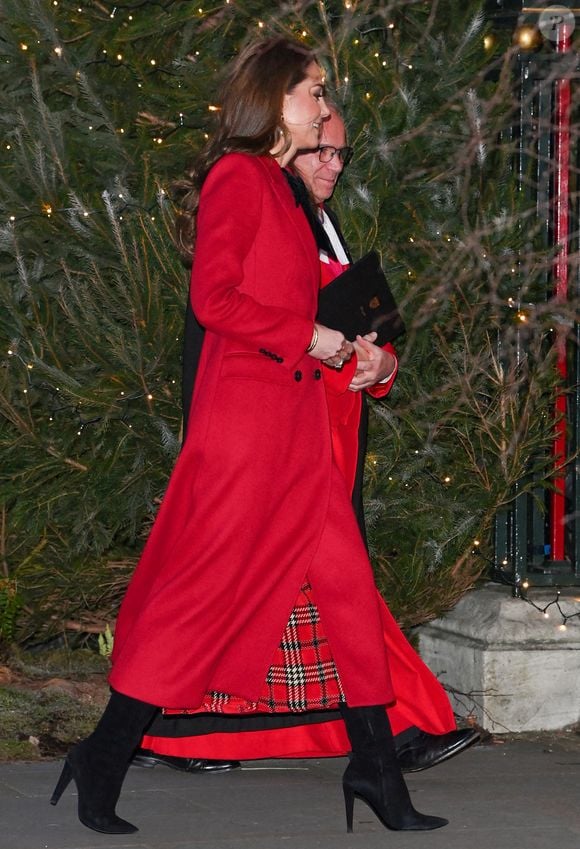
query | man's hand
(374,364)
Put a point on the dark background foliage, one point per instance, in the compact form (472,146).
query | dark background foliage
(102,105)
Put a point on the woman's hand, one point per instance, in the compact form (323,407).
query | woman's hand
(331,347)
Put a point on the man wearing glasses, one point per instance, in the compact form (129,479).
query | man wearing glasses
(422,719)
(374,368)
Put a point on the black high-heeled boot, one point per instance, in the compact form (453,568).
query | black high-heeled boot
(374,775)
(99,764)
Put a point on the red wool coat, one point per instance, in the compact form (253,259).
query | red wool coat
(254,504)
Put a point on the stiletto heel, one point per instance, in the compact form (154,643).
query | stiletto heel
(98,764)
(349,806)
(374,775)
(62,783)
(393,818)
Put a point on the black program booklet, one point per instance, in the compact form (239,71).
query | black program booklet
(359,301)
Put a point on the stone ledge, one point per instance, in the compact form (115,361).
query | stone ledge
(514,669)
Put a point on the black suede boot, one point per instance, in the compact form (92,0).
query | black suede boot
(99,764)
(374,775)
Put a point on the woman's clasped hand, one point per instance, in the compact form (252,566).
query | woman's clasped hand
(331,347)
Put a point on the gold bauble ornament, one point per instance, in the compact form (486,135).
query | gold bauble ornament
(528,37)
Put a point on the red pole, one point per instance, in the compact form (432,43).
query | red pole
(561,191)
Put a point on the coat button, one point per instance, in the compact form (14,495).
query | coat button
(298,376)
(317,374)
(263,351)
(279,359)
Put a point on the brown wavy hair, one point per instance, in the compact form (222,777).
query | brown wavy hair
(249,120)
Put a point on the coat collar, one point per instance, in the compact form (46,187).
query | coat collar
(288,204)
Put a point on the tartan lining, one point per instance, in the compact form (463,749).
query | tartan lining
(302,677)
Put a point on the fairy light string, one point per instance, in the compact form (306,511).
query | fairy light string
(522,588)
(369,43)
(124,401)
(543,609)
(127,14)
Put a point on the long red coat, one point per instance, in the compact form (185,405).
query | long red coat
(254,503)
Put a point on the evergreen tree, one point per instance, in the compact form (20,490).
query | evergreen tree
(102,105)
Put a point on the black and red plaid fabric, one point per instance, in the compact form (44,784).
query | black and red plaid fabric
(302,676)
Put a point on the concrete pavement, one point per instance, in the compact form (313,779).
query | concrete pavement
(519,794)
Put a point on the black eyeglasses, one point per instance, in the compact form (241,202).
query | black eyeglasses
(326,152)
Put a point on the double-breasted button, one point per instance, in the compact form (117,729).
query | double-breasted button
(317,374)
(298,375)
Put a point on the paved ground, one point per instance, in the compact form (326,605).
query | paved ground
(520,794)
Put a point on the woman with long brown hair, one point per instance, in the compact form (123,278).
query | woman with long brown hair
(255,509)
